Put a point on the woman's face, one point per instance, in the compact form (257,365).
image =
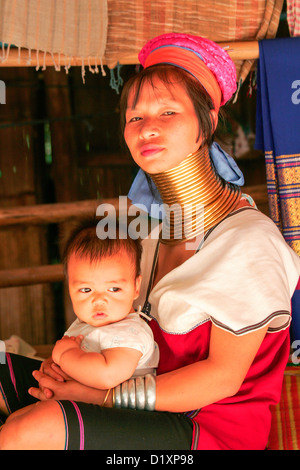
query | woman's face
(162,128)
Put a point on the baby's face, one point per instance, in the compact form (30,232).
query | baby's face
(102,292)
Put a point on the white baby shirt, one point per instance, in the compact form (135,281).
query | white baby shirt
(132,332)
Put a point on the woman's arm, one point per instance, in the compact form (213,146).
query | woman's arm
(208,381)
(191,387)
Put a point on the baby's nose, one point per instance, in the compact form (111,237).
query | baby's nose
(99,299)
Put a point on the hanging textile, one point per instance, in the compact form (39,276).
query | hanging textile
(278,131)
(133,22)
(293,16)
(113,30)
(72,28)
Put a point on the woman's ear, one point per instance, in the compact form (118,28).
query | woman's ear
(214,118)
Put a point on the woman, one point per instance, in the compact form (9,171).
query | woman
(220,313)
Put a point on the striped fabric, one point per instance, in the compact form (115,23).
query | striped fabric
(73,28)
(115,29)
(285,429)
(277,131)
(293,16)
(131,23)
(283,182)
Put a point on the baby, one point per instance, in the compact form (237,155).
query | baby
(108,342)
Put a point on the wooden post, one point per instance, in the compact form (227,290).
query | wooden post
(64,149)
(25,311)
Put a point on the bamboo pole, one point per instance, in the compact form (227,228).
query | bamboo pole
(240,50)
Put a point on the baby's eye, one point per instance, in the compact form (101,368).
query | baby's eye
(168,113)
(114,289)
(85,290)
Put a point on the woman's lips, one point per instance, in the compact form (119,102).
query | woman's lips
(149,150)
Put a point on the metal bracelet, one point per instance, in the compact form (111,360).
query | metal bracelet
(150,392)
(131,394)
(117,396)
(124,394)
(136,393)
(140,393)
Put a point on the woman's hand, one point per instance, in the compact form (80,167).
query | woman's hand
(52,370)
(50,387)
(48,367)
(66,390)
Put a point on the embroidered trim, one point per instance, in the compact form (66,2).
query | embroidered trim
(81,425)
(256,326)
(182,332)
(4,398)
(12,374)
(196,435)
(66,426)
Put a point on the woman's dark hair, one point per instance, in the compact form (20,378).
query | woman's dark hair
(169,75)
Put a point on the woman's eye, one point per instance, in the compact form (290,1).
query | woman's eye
(85,290)
(169,113)
(134,119)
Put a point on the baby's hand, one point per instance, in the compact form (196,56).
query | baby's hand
(64,344)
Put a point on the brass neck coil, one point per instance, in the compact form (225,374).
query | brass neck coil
(195,197)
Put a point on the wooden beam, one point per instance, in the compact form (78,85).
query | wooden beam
(60,212)
(240,50)
(50,213)
(56,213)
(30,276)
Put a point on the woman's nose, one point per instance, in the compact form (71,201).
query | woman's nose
(148,129)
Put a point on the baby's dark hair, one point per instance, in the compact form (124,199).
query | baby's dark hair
(84,242)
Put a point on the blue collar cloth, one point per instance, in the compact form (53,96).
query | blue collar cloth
(149,199)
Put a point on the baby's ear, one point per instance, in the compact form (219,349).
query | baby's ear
(138,282)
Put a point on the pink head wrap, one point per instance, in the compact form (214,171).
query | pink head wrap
(204,59)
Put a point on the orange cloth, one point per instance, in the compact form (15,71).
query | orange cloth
(192,63)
